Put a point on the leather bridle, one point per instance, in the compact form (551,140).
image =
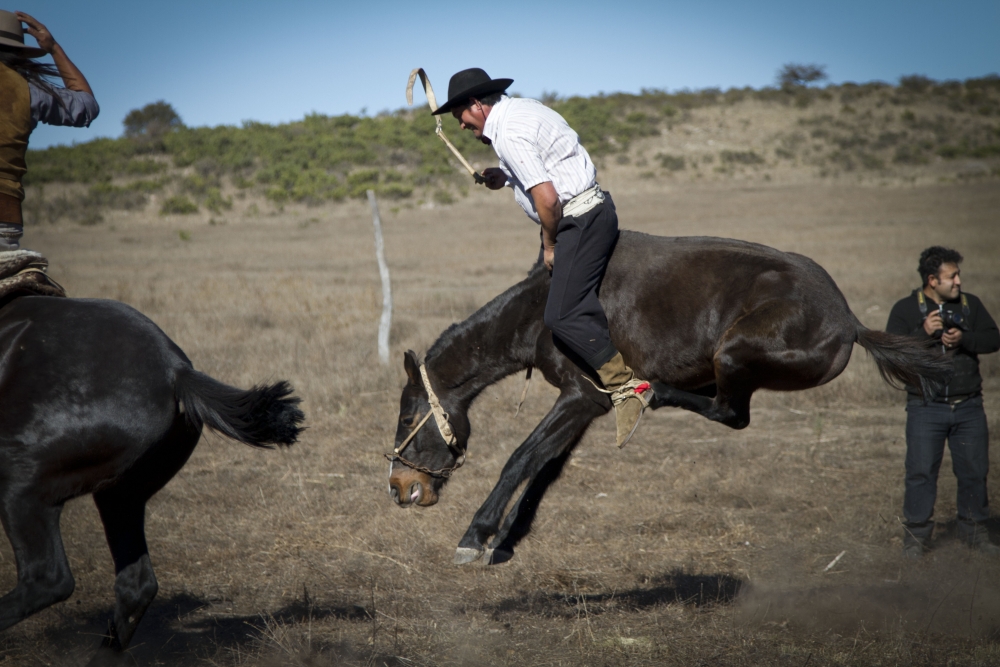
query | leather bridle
(444,428)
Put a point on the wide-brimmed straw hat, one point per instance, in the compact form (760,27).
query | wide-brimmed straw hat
(470,83)
(12,36)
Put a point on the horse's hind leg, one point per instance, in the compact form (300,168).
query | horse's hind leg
(728,406)
(43,575)
(135,584)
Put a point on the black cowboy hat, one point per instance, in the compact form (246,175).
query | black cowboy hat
(470,83)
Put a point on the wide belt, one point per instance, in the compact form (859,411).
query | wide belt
(10,209)
(583,202)
(957,398)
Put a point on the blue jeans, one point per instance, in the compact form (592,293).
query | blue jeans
(964,427)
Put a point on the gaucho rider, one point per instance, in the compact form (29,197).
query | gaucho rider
(26,99)
(555,182)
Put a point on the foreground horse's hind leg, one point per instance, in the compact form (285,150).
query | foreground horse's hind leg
(135,584)
(43,575)
(123,508)
(557,433)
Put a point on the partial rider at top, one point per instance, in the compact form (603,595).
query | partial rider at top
(28,99)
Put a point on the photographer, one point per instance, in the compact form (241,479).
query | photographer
(960,327)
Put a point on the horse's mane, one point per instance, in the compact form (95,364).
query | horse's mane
(536,278)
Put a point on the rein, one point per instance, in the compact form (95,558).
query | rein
(444,428)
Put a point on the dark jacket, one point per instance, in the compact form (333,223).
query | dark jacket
(981,338)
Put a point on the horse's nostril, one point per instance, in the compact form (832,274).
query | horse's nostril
(394,493)
(415,492)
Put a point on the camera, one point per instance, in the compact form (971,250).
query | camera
(951,320)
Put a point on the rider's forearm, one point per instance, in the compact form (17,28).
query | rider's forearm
(549,228)
(549,211)
(71,75)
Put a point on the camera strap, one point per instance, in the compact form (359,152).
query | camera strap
(922,304)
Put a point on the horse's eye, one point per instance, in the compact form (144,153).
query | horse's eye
(406,421)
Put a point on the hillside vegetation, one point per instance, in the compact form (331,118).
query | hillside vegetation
(919,128)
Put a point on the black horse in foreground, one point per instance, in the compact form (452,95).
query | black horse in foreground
(708,321)
(96,399)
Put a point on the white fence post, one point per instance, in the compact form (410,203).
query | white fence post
(383,269)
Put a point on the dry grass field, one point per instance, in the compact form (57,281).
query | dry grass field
(695,545)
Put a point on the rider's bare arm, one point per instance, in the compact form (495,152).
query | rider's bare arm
(71,75)
(550,213)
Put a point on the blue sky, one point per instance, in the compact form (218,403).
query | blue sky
(225,62)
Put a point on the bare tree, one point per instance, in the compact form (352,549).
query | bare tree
(794,74)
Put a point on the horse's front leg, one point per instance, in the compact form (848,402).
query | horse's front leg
(517,523)
(555,435)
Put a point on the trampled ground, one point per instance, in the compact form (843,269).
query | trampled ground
(694,545)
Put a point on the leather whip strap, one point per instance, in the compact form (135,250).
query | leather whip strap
(432,102)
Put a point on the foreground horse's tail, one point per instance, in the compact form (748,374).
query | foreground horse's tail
(903,360)
(264,416)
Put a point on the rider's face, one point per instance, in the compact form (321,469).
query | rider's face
(472,118)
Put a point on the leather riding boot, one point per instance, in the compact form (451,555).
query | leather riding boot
(977,537)
(626,396)
(916,538)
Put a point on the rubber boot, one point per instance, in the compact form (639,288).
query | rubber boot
(916,537)
(977,537)
(626,396)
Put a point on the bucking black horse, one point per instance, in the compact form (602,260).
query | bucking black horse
(708,321)
(95,398)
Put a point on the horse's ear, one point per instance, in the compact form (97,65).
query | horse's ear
(412,367)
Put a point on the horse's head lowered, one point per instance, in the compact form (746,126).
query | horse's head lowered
(430,442)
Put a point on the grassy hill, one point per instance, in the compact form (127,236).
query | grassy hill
(919,130)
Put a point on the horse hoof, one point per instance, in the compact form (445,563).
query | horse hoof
(465,555)
(497,556)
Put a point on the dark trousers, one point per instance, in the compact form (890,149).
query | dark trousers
(964,427)
(572,312)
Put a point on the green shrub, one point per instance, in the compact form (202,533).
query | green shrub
(915,83)
(869,161)
(741,157)
(105,195)
(909,154)
(178,205)
(443,197)
(394,190)
(671,162)
(359,182)
(215,203)
(143,167)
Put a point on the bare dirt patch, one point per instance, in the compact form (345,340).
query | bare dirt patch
(694,545)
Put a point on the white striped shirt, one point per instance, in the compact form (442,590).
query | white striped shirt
(535,144)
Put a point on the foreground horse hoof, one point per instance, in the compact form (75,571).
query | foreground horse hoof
(465,555)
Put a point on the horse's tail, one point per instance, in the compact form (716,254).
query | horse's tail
(264,416)
(905,360)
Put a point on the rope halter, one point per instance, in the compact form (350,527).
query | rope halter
(444,428)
